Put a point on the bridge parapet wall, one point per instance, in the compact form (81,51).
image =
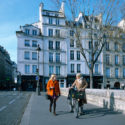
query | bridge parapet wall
(111,99)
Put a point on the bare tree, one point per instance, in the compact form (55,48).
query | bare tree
(97,18)
(123,10)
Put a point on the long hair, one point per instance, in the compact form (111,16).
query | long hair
(53,75)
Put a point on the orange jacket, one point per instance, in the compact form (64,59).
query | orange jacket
(54,84)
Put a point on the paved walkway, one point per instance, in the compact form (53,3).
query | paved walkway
(37,113)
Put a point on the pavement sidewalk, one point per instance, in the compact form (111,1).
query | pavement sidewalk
(37,113)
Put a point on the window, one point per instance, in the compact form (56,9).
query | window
(34,32)
(95,56)
(27,43)
(57,70)
(123,59)
(90,57)
(123,72)
(78,55)
(62,83)
(50,57)
(71,43)
(90,44)
(57,21)
(95,35)
(116,59)
(72,68)
(50,20)
(34,43)
(50,32)
(50,70)
(116,46)
(95,26)
(27,69)
(27,31)
(34,67)
(78,68)
(57,33)
(107,46)
(71,55)
(34,55)
(123,47)
(57,57)
(27,55)
(57,45)
(71,33)
(77,44)
(50,44)
(96,44)
(107,59)
(96,68)
(116,72)
(108,72)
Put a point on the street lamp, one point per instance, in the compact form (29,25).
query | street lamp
(19,80)
(38,85)
(104,42)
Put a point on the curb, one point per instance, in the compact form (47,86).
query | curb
(26,116)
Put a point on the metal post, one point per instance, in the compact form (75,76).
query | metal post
(38,85)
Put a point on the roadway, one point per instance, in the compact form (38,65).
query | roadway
(12,106)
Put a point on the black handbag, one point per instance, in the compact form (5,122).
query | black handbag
(79,95)
(47,96)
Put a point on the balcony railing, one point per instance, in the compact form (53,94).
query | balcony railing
(117,64)
(108,63)
(51,48)
(34,45)
(62,35)
(57,48)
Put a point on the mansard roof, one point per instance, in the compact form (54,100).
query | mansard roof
(29,25)
(52,11)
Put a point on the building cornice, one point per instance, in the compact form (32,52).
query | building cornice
(54,16)
(46,24)
(21,33)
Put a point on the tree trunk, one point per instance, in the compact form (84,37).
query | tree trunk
(91,78)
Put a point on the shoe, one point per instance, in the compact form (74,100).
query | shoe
(54,113)
(82,113)
(50,110)
(71,111)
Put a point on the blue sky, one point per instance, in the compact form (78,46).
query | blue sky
(14,13)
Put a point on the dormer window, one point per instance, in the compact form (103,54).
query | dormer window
(27,31)
(34,32)
(50,32)
(56,15)
(57,21)
(50,20)
(47,13)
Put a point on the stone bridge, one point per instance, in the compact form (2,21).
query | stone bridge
(105,107)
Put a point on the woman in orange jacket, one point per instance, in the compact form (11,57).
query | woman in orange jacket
(53,91)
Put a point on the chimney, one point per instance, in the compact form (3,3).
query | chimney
(62,9)
(40,11)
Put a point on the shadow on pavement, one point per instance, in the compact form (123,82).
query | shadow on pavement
(98,112)
(63,112)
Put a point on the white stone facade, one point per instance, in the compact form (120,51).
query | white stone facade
(53,35)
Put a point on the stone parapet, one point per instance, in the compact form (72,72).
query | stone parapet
(111,99)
